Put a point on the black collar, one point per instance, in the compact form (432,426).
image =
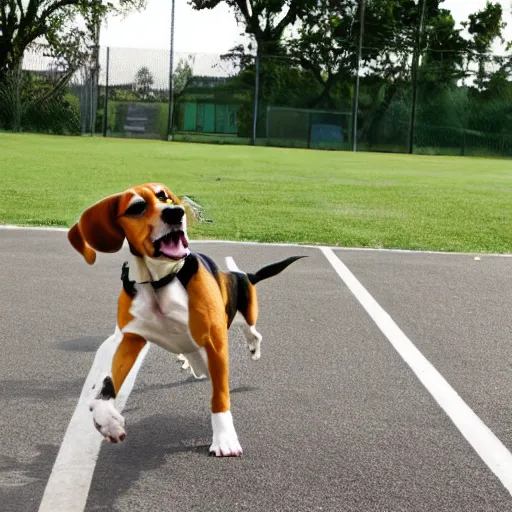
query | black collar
(129,286)
(185,273)
(162,282)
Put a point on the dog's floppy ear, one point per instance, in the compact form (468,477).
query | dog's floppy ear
(98,230)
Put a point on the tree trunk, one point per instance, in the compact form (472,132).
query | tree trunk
(5,50)
(324,100)
(268,47)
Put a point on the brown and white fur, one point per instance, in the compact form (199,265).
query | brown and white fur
(175,299)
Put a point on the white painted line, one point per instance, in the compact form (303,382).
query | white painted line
(68,486)
(298,246)
(232,266)
(33,228)
(479,436)
(358,249)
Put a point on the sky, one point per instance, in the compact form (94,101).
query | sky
(215,31)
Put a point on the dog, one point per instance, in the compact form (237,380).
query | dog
(170,296)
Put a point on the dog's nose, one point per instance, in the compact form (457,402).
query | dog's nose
(172,214)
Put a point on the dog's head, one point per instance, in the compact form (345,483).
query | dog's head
(150,217)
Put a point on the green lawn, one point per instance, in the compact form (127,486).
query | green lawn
(270,194)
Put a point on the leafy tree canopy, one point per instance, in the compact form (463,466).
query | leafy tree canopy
(69,27)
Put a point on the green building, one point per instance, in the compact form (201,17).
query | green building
(208,105)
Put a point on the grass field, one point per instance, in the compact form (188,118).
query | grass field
(270,194)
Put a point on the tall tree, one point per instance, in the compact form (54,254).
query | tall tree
(143,82)
(264,20)
(182,74)
(328,37)
(326,43)
(56,22)
(485,27)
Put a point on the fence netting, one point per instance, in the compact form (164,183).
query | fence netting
(465,116)
(45,94)
(134,93)
(369,94)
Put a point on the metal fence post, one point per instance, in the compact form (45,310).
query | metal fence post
(256,98)
(414,76)
(310,128)
(267,123)
(355,108)
(105,103)
(170,123)
(18,76)
(91,101)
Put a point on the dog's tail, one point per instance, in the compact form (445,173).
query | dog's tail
(272,269)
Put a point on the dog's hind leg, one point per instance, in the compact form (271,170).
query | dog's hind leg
(253,338)
(185,365)
(195,364)
(248,308)
(207,324)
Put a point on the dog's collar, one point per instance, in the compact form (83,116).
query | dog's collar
(129,285)
(184,271)
(158,273)
(149,270)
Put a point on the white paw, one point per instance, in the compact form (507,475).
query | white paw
(225,441)
(253,338)
(186,364)
(255,350)
(107,420)
(190,369)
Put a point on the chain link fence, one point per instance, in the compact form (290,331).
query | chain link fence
(45,95)
(429,102)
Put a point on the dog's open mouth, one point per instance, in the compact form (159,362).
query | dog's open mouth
(174,245)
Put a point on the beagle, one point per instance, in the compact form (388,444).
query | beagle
(176,299)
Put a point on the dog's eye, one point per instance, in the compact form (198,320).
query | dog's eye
(136,209)
(161,195)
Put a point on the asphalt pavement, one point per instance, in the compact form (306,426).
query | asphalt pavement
(331,418)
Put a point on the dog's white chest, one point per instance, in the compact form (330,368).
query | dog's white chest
(162,317)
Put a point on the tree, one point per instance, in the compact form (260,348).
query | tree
(65,30)
(182,74)
(264,20)
(485,26)
(23,23)
(143,82)
(327,42)
(328,38)
(444,51)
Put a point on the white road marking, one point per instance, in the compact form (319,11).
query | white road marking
(68,486)
(232,266)
(33,228)
(479,436)
(298,246)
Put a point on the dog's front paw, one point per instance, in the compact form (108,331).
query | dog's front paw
(107,420)
(225,441)
(226,445)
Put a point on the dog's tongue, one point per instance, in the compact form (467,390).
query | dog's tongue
(176,247)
